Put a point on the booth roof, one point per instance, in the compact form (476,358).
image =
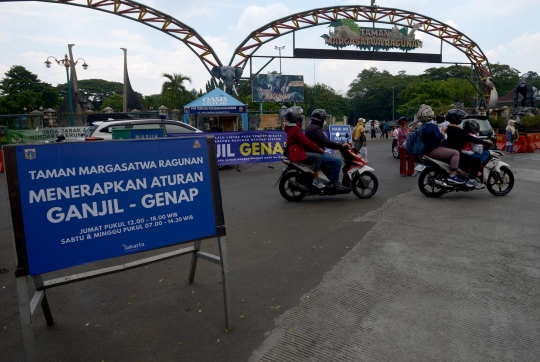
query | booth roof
(226,100)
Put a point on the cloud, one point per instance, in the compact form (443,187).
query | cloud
(256,16)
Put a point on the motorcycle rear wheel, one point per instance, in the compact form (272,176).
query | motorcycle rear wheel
(427,185)
(500,183)
(365,185)
(286,192)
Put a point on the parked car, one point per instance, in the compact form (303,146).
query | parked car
(486,131)
(368,126)
(102,130)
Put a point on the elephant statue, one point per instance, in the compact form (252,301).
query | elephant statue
(229,76)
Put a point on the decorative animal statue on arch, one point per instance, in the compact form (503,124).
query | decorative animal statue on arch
(528,92)
(229,76)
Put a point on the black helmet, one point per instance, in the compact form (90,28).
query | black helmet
(455,116)
(319,116)
(471,126)
(294,114)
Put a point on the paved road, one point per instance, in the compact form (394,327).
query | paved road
(385,277)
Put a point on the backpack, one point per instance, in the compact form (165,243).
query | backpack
(414,144)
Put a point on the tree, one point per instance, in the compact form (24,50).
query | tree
(115,101)
(505,78)
(21,88)
(174,89)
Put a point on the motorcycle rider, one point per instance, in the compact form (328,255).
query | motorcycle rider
(457,138)
(435,144)
(298,143)
(315,133)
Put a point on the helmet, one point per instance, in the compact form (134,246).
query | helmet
(425,113)
(294,114)
(439,118)
(402,119)
(454,116)
(319,116)
(471,126)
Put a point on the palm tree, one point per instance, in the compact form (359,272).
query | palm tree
(174,86)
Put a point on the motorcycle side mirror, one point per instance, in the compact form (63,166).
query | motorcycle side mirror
(347,135)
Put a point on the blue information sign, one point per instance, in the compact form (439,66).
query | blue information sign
(83,202)
(344,133)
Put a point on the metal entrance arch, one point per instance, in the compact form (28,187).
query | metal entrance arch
(151,17)
(371,14)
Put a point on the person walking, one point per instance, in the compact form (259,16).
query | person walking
(385,126)
(511,135)
(406,168)
(373,125)
(359,134)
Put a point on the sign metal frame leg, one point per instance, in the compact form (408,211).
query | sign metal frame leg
(223,262)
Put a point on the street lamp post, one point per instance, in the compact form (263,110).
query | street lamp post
(66,62)
(280,49)
(393,115)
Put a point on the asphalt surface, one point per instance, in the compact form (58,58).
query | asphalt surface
(395,277)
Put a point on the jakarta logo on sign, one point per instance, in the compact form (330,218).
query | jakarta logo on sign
(85,202)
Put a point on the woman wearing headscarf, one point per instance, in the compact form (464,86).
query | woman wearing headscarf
(511,135)
(359,134)
(405,167)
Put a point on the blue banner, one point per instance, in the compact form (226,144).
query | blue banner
(247,146)
(83,202)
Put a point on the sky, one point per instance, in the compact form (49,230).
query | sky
(508,32)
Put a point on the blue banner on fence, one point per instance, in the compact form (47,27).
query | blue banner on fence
(247,146)
(83,202)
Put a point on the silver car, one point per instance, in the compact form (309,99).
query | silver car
(102,130)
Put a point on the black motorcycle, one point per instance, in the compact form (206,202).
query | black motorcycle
(295,182)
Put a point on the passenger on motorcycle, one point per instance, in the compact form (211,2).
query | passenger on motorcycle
(477,150)
(298,143)
(315,133)
(435,143)
(457,139)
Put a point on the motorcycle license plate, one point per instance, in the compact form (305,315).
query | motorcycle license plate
(420,168)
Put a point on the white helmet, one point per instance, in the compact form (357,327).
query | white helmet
(425,113)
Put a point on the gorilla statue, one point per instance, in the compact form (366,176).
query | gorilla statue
(527,91)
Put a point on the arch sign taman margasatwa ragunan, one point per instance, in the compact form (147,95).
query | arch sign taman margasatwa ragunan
(77,203)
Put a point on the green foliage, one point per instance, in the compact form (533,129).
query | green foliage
(21,88)
(352,25)
(174,92)
(371,94)
(440,95)
(115,101)
(505,78)
(530,122)
(95,90)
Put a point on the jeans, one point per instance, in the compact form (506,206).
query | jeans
(334,163)
(313,159)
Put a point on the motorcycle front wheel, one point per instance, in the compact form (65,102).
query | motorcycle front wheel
(285,189)
(365,185)
(427,185)
(500,183)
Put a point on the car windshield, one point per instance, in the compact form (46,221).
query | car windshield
(483,123)
(89,131)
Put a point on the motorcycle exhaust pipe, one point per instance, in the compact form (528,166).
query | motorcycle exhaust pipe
(295,186)
(441,183)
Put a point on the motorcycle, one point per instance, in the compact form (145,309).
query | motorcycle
(295,182)
(495,175)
